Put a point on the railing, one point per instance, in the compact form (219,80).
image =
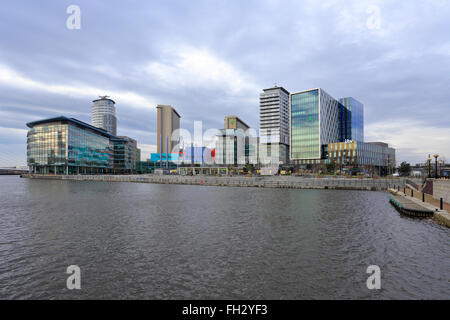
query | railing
(412,184)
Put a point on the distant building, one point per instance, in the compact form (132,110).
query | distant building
(168,124)
(64,145)
(232,144)
(126,154)
(233,122)
(274,126)
(193,155)
(392,160)
(358,156)
(351,119)
(314,124)
(104,115)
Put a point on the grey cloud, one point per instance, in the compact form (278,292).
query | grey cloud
(397,71)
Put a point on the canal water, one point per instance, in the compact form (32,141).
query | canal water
(149,241)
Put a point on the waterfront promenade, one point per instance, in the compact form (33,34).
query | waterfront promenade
(414,207)
(292,182)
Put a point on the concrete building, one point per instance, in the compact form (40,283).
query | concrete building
(233,122)
(274,126)
(168,124)
(104,115)
(314,123)
(232,144)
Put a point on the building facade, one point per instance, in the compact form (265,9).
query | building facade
(351,119)
(192,155)
(64,145)
(104,115)
(233,122)
(314,123)
(274,126)
(168,125)
(358,156)
(232,144)
(68,146)
(126,154)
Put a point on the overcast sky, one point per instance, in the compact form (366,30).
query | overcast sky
(212,58)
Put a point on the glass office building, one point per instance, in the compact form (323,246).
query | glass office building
(69,146)
(358,156)
(314,122)
(126,154)
(351,119)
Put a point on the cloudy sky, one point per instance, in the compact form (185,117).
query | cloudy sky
(212,58)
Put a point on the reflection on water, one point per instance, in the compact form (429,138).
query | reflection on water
(149,241)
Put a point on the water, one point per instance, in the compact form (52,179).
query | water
(149,241)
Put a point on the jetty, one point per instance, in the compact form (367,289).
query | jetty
(409,207)
(414,207)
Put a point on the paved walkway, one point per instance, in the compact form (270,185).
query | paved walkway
(440,215)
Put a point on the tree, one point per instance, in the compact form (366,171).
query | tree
(404,169)
(331,167)
(249,167)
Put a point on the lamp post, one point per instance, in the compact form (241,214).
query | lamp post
(429,166)
(436,156)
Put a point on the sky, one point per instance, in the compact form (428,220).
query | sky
(212,58)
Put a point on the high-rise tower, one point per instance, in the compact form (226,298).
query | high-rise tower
(274,125)
(104,115)
(167,124)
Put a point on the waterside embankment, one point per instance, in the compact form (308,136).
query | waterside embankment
(292,182)
(412,206)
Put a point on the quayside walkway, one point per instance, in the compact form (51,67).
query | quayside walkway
(414,207)
(291,182)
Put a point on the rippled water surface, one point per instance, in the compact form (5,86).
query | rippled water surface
(149,241)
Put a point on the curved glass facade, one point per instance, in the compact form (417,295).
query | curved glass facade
(47,145)
(67,146)
(88,149)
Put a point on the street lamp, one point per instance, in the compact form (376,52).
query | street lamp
(429,166)
(436,156)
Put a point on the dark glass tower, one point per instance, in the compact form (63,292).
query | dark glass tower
(351,119)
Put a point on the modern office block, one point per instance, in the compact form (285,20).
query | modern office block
(351,119)
(274,126)
(68,146)
(64,145)
(126,154)
(358,156)
(314,123)
(232,143)
(168,124)
(104,115)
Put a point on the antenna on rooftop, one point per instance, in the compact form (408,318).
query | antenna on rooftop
(103,97)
